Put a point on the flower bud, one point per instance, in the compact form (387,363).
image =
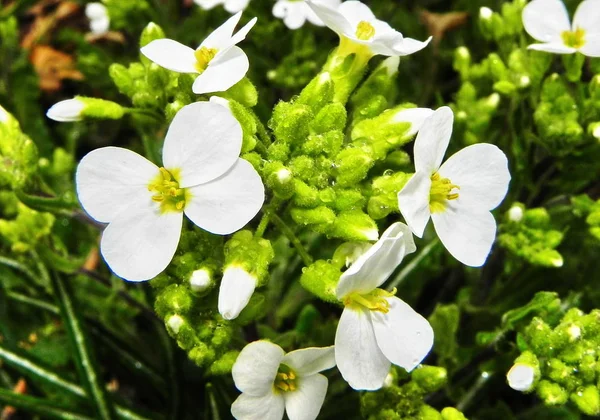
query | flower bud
(515,213)
(354,225)
(552,393)
(594,130)
(524,373)
(66,111)
(151,33)
(430,378)
(587,400)
(451,413)
(174,323)
(352,165)
(237,286)
(321,279)
(4,116)
(318,92)
(81,107)
(201,280)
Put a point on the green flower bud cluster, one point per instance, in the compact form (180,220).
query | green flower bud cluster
(505,24)
(402,397)
(557,117)
(528,234)
(186,293)
(473,114)
(18,154)
(566,356)
(583,205)
(26,228)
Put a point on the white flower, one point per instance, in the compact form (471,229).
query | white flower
(98,16)
(353,21)
(376,328)
(203,177)
(272,382)
(295,12)
(66,111)
(548,22)
(520,377)
(457,195)
(232,6)
(219,62)
(235,291)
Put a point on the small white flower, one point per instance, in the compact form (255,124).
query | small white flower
(520,377)
(353,21)
(235,292)
(376,328)
(218,61)
(272,382)
(203,177)
(66,111)
(295,12)
(98,16)
(548,22)
(457,195)
(232,6)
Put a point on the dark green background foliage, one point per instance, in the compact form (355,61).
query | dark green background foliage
(70,331)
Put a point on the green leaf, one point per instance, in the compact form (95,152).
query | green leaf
(82,351)
(542,302)
(45,408)
(46,204)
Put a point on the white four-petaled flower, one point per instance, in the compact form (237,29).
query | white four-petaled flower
(548,22)
(457,195)
(203,177)
(354,22)
(272,382)
(218,61)
(232,6)
(376,328)
(295,12)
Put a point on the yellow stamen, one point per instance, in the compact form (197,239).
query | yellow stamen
(285,380)
(364,30)
(574,39)
(375,300)
(203,57)
(441,192)
(167,192)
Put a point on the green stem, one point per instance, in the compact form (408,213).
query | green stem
(39,406)
(292,238)
(82,351)
(413,264)
(464,402)
(55,205)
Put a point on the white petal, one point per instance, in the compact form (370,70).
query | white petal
(358,357)
(234,6)
(432,140)
(222,72)
(481,172)
(331,17)
(587,17)
(520,377)
(355,11)
(256,367)
(235,292)
(265,407)
(112,179)
(66,111)
(95,11)
(373,267)
(171,55)
(592,45)
(468,234)
(208,4)
(293,13)
(305,403)
(99,26)
(545,20)
(403,335)
(413,201)
(221,37)
(552,47)
(310,360)
(409,46)
(228,203)
(241,34)
(415,116)
(141,242)
(204,141)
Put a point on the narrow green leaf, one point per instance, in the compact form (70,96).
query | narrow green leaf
(32,370)
(18,266)
(47,204)
(45,408)
(82,352)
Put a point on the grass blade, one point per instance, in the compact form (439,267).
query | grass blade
(45,408)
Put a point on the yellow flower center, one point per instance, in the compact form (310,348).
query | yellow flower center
(574,39)
(374,301)
(203,57)
(167,192)
(364,30)
(441,192)
(286,379)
